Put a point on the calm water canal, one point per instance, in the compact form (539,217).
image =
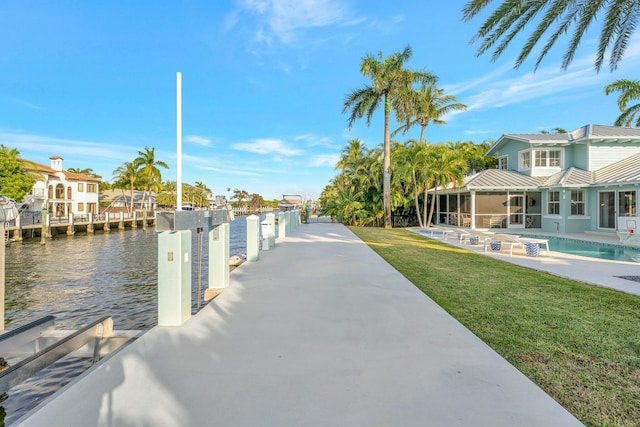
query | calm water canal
(81,278)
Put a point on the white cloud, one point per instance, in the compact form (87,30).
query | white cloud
(324,160)
(314,140)
(28,143)
(198,140)
(31,105)
(266,146)
(495,90)
(284,19)
(229,171)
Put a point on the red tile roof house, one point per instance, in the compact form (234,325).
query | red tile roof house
(61,192)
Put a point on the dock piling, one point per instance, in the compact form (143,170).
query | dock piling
(253,238)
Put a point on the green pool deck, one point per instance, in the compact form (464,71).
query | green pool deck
(320,332)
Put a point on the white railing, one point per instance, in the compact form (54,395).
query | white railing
(243,210)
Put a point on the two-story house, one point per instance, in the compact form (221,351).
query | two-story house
(584,180)
(62,192)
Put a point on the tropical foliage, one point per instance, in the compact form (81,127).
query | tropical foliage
(617,22)
(391,86)
(126,177)
(15,182)
(141,173)
(354,196)
(148,172)
(84,171)
(427,105)
(197,195)
(629,91)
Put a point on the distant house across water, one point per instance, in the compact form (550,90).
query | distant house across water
(61,192)
(119,200)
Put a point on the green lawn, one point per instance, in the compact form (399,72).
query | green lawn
(579,343)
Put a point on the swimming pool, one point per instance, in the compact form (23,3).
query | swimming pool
(591,249)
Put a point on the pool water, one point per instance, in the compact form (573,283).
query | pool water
(591,249)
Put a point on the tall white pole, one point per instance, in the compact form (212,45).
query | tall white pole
(179,140)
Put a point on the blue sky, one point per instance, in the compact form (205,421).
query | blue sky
(263,84)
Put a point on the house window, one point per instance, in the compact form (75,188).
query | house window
(525,160)
(547,158)
(92,188)
(627,203)
(80,187)
(80,207)
(92,208)
(554,203)
(577,202)
(502,162)
(59,191)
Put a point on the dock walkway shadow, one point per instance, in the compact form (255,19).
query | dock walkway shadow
(320,332)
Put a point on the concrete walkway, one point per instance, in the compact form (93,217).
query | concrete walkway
(320,332)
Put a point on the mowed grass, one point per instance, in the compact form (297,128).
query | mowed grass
(579,343)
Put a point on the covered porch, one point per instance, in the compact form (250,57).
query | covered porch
(486,210)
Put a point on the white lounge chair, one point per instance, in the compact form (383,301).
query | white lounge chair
(435,231)
(485,238)
(516,241)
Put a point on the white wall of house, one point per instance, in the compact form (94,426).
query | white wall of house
(84,194)
(601,155)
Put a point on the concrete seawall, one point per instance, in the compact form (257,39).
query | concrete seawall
(320,332)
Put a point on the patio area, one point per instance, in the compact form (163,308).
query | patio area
(599,272)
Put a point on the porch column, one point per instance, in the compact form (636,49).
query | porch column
(17,233)
(473,210)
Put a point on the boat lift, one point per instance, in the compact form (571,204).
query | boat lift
(35,346)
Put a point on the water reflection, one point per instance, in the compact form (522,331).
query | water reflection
(81,278)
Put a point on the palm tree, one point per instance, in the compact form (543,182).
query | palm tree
(126,176)
(240,196)
(85,171)
(511,17)
(351,156)
(474,154)
(409,163)
(553,131)
(390,84)
(428,104)
(150,175)
(629,91)
(445,166)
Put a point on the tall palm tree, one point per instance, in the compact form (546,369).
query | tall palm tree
(428,105)
(629,91)
(126,176)
(150,175)
(510,18)
(390,85)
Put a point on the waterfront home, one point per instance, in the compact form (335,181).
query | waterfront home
(120,200)
(61,192)
(584,180)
